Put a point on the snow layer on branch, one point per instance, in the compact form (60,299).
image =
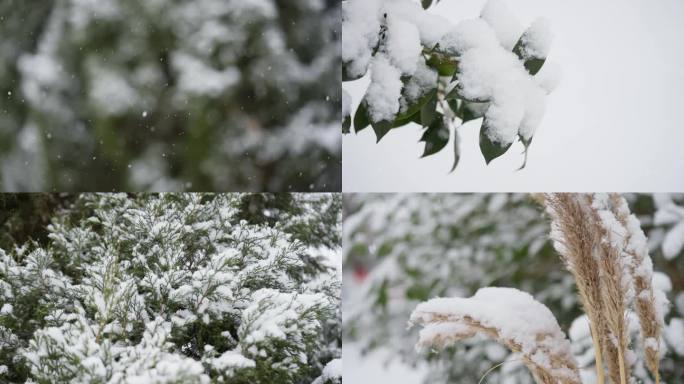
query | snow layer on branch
(403,45)
(674,334)
(384,91)
(424,78)
(674,241)
(668,213)
(175,262)
(506,26)
(331,372)
(360,27)
(109,92)
(408,25)
(273,313)
(430,26)
(196,78)
(489,72)
(231,360)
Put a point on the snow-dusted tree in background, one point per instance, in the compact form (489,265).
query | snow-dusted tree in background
(175,288)
(170,95)
(401,250)
(426,70)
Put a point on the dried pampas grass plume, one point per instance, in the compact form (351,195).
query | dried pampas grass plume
(615,278)
(603,246)
(576,242)
(509,316)
(641,267)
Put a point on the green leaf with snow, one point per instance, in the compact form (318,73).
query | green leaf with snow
(490,149)
(415,107)
(428,111)
(445,65)
(361,117)
(466,112)
(381,128)
(531,63)
(436,136)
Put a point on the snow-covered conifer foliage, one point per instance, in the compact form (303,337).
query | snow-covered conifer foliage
(167,95)
(175,288)
(425,70)
(404,250)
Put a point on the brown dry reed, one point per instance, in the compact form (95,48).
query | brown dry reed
(559,361)
(593,233)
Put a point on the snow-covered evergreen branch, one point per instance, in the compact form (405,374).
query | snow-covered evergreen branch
(174,288)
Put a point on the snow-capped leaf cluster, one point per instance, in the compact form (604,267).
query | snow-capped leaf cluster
(161,95)
(425,70)
(174,288)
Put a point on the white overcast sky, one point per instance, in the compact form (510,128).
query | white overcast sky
(613,124)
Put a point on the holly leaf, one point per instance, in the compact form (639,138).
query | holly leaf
(532,64)
(426,3)
(466,113)
(436,136)
(361,117)
(429,110)
(415,107)
(444,65)
(490,149)
(381,128)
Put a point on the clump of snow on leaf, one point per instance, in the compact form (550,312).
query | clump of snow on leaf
(503,21)
(489,72)
(537,39)
(360,25)
(384,91)
(403,45)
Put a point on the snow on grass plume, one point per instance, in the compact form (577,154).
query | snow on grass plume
(602,244)
(509,316)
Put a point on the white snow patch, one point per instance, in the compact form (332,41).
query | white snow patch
(506,26)
(384,91)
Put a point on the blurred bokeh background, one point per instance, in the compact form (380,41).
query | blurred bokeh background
(170,95)
(400,250)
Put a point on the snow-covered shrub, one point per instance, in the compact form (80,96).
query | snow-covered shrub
(401,250)
(169,95)
(425,70)
(172,288)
